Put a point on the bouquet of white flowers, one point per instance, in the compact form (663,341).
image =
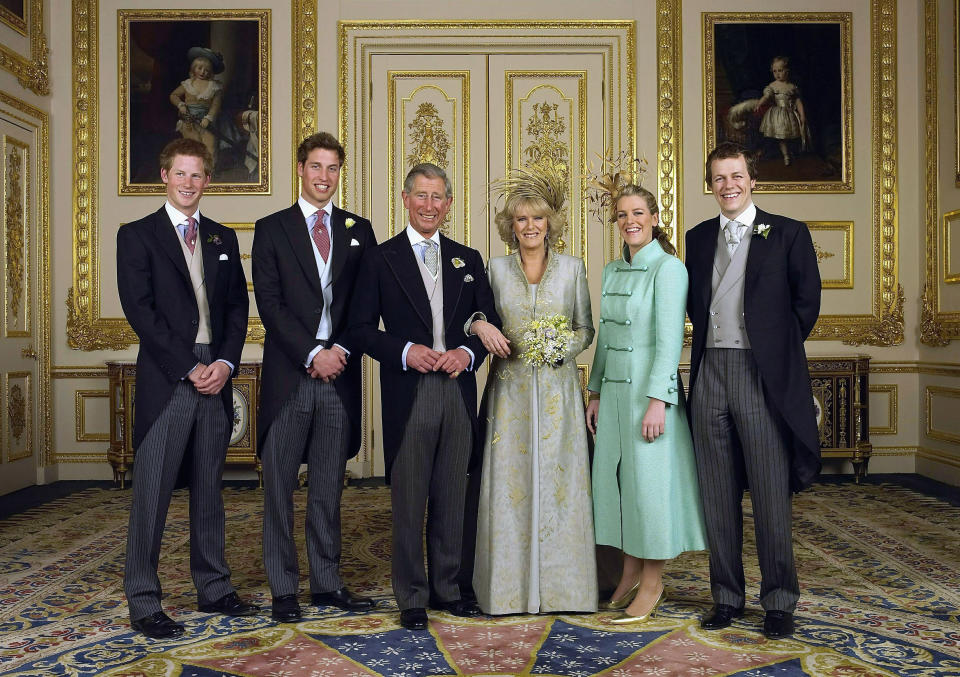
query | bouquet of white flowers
(546,340)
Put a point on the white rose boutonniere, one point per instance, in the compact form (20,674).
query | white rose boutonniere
(457,263)
(349,223)
(761,229)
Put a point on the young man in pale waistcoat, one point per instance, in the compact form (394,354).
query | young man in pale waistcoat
(754,298)
(184,293)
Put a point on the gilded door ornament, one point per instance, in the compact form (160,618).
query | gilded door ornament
(429,143)
(822,253)
(546,153)
(428,140)
(15,231)
(17,411)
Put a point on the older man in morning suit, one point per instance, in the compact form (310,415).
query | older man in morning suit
(754,298)
(305,262)
(425,287)
(183,291)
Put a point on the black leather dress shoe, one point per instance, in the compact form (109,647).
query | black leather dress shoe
(458,607)
(230,605)
(720,616)
(778,624)
(343,599)
(414,619)
(157,626)
(286,609)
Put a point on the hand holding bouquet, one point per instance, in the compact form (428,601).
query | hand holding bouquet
(546,340)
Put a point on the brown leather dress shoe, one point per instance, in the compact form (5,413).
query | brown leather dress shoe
(414,619)
(342,599)
(157,626)
(230,605)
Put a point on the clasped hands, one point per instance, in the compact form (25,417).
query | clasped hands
(425,360)
(209,379)
(328,364)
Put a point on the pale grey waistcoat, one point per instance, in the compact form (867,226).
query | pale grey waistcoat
(195,266)
(435,294)
(726,303)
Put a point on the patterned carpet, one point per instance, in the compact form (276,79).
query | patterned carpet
(879,567)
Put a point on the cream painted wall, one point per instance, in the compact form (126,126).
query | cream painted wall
(901,445)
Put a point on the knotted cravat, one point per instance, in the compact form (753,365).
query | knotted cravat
(320,235)
(732,234)
(190,234)
(431,257)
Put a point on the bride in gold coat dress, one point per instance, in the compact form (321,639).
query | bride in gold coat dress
(535,548)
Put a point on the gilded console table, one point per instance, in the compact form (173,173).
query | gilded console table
(243,439)
(841,397)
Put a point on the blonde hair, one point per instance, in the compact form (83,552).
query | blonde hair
(556,221)
(659,234)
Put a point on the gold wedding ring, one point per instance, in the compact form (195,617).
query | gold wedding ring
(456,374)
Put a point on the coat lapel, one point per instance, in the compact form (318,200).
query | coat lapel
(452,279)
(169,240)
(295,227)
(400,257)
(211,255)
(759,249)
(341,242)
(703,265)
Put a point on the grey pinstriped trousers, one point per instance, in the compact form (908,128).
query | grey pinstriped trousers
(739,442)
(314,419)
(154,474)
(430,475)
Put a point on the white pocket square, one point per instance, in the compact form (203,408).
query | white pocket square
(223,257)
(468,278)
(354,243)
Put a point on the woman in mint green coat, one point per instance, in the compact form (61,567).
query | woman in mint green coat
(645,493)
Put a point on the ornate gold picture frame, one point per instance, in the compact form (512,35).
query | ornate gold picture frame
(201,74)
(24,52)
(764,87)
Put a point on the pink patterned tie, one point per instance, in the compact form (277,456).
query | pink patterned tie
(190,237)
(320,235)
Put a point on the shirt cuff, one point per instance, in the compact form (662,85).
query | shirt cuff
(403,355)
(311,355)
(346,352)
(472,357)
(228,363)
(477,316)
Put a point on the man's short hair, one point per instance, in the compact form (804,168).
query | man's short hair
(727,150)
(324,140)
(429,170)
(189,148)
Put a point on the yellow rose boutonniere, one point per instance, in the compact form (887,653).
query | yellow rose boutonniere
(457,263)
(349,223)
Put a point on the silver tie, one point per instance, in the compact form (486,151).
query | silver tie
(431,258)
(732,234)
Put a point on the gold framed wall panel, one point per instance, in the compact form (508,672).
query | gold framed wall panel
(931,393)
(37,122)
(951,266)
(937,325)
(884,325)
(432,140)
(845,256)
(17,235)
(30,69)
(80,417)
(761,21)
(359,41)
(18,415)
(87,328)
(559,142)
(892,392)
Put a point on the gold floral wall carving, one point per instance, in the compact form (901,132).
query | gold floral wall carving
(16,411)
(15,228)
